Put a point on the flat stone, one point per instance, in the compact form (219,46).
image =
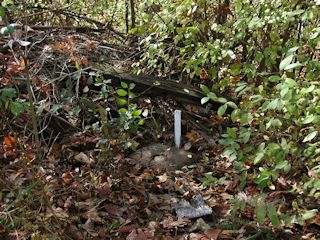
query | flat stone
(159,156)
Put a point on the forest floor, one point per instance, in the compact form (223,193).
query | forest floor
(73,191)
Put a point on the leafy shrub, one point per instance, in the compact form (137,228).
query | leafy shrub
(267,54)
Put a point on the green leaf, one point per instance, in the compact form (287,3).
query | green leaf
(292,50)
(222,109)
(310,136)
(258,157)
(205,89)
(232,132)
(132,86)
(122,92)
(132,95)
(8,93)
(243,178)
(293,65)
(16,108)
(290,82)
(308,119)
(2,12)
(282,165)
(122,110)
(232,105)
(296,12)
(234,115)
(285,62)
(221,100)
(273,104)
(261,212)
(124,85)
(121,101)
(246,118)
(141,122)
(274,78)
(136,112)
(272,214)
(204,100)
(310,214)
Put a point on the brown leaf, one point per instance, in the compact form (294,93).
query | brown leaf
(2,229)
(93,215)
(104,191)
(84,61)
(89,227)
(170,223)
(127,228)
(83,158)
(67,178)
(193,136)
(114,210)
(203,74)
(140,234)
(212,234)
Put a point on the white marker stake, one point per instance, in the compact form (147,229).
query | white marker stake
(177,128)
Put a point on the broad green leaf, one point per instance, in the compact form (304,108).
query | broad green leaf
(124,85)
(272,214)
(222,109)
(204,100)
(263,180)
(232,105)
(290,82)
(259,156)
(308,90)
(296,12)
(284,91)
(308,119)
(132,86)
(88,103)
(261,212)
(122,92)
(292,50)
(310,214)
(285,62)
(8,93)
(221,100)
(141,122)
(246,118)
(274,78)
(282,165)
(310,136)
(293,65)
(232,132)
(243,178)
(132,95)
(121,101)
(122,110)
(205,89)
(273,104)
(234,115)
(16,108)
(2,12)
(245,136)
(136,112)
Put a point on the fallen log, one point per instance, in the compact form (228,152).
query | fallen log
(158,86)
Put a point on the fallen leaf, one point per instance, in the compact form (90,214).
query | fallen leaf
(140,234)
(83,158)
(212,234)
(170,223)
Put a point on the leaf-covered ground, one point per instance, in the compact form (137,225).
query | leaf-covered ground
(69,189)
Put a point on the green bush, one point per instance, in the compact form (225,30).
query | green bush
(266,53)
